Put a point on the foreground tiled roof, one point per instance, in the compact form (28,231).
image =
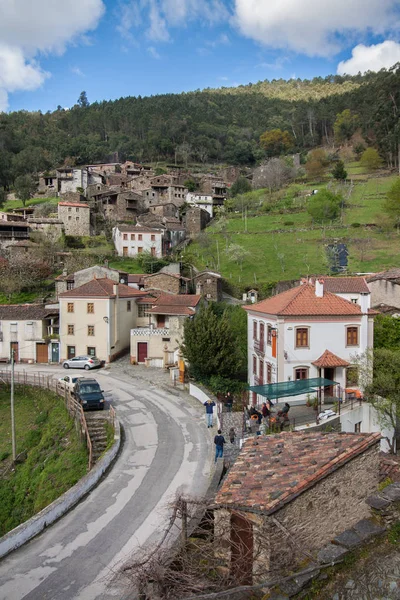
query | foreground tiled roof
(178,300)
(328,359)
(302,301)
(346,285)
(271,471)
(23,312)
(101,288)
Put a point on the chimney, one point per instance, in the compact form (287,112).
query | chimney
(115,289)
(319,288)
(364,303)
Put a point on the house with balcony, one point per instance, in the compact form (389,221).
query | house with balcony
(28,331)
(156,339)
(303,335)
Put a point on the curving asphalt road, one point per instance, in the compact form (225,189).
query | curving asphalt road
(166,450)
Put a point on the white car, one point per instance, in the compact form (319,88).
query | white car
(68,382)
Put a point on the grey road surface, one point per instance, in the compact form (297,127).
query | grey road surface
(166,450)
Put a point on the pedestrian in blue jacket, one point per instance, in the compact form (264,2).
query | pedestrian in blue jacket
(209,412)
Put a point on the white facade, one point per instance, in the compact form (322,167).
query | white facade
(204,201)
(131,241)
(364,419)
(274,354)
(26,338)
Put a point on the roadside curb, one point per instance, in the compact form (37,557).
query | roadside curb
(36,524)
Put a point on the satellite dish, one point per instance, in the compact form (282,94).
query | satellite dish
(122,280)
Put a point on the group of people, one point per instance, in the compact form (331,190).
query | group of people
(256,418)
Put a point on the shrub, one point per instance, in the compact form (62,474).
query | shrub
(356,225)
(288,223)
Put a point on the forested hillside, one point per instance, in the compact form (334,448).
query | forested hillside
(220,125)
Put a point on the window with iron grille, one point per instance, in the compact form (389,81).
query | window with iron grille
(143,310)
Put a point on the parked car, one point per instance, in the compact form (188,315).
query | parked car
(82,362)
(68,382)
(89,394)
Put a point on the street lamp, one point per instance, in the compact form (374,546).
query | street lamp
(105,319)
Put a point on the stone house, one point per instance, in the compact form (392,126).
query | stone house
(48,184)
(156,339)
(117,204)
(168,210)
(22,248)
(209,285)
(71,179)
(12,232)
(5,216)
(170,283)
(201,200)
(290,494)
(76,218)
(131,240)
(305,333)
(385,290)
(70,281)
(96,319)
(50,227)
(196,219)
(24,329)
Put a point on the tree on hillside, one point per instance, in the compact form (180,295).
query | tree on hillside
(370,159)
(276,142)
(339,172)
(25,187)
(345,125)
(236,253)
(83,101)
(191,185)
(209,345)
(324,206)
(317,161)
(392,203)
(273,174)
(241,186)
(184,151)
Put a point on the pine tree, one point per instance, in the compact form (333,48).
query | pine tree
(339,172)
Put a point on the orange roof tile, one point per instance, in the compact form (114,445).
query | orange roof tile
(302,301)
(78,204)
(273,470)
(345,285)
(101,288)
(328,359)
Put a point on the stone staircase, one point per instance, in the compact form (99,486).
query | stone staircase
(98,434)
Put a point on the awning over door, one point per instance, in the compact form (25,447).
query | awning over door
(291,388)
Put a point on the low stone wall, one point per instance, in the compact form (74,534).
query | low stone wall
(26,531)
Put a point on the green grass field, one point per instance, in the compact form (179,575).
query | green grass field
(54,458)
(277,247)
(10,205)
(130,265)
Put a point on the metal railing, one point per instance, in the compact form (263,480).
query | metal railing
(259,346)
(73,407)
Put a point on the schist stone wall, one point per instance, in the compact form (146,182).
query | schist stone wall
(307,523)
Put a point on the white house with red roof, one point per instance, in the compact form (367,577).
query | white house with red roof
(159,334)
(96,319)
(131,240)
(308,332)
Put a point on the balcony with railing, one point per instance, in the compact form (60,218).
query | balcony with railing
(259,346)
(258,380)
(147,331)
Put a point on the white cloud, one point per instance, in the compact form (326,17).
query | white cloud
(29,29)
(157,17)
(370,58)
(153,52)
(313,27)
(77,71)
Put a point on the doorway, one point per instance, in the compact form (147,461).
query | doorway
(55,353)
(329,373)
(42,354)
(70,352)
(142,352)
(241,549)
(14,348)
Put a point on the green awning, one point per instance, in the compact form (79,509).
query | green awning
(291,388)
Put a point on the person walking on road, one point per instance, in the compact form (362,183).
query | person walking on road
(219,442)
(209,412)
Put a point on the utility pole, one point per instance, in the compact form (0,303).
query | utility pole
(218,255)
(14,449)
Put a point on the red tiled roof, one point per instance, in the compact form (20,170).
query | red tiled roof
(171,310)
(78,204)
(136,228)
(345,285)
(178,300)
(101,288)
(302,301)
(328,359)
(273,470)
(390,274)
(135,278)
(23,312)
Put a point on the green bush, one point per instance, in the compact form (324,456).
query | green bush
(356,225)
(288,223)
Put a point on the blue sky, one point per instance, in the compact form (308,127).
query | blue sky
(114,48)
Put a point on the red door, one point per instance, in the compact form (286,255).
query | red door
(161,321)
(142,351)
(241,550)
(14,348)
